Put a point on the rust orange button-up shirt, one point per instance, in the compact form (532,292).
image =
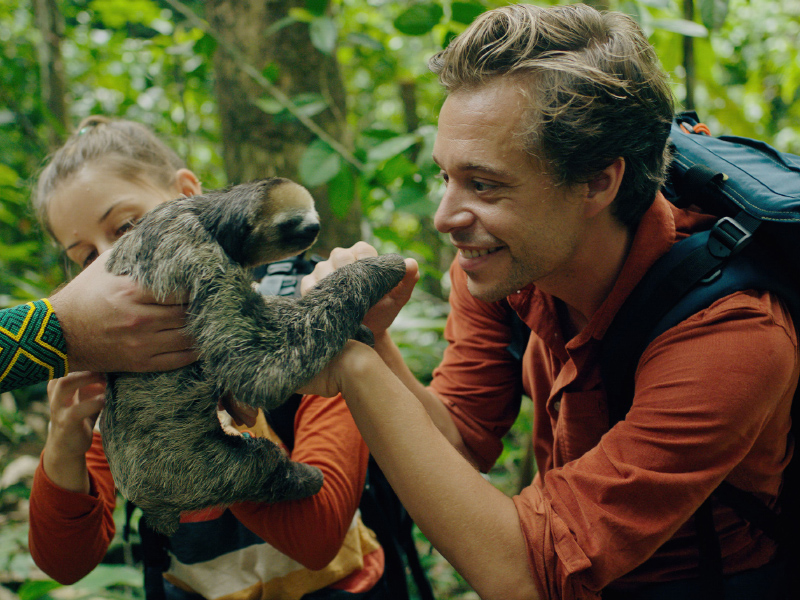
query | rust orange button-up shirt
(610,507)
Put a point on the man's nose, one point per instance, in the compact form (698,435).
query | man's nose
(452,214)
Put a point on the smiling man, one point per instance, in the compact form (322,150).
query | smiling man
(552,144)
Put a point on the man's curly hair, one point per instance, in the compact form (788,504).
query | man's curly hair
(595,88)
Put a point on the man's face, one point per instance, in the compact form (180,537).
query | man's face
(511,224)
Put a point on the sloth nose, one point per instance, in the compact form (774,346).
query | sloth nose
(311,230)
(300,228)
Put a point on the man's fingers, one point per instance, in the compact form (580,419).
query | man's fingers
(363,250)
(338,258)
(169,361)
(179,299)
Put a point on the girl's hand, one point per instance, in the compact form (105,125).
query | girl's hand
(382,315)
(75,404)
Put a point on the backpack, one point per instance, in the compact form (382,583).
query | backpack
(381,509)
(755,244)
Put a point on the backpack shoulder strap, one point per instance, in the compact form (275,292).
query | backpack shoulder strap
(680,284)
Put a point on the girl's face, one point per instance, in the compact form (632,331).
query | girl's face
(89,212)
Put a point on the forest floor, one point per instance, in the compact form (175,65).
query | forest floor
(23,426)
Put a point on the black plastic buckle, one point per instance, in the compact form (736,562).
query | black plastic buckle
(727,237)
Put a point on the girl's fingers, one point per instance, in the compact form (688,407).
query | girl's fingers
(66,386)
(89,408)
(91,391)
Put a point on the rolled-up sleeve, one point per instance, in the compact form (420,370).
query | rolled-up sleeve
(478,379)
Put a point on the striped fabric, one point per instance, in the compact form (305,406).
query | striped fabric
(32,346)
(214,555)
(221,559)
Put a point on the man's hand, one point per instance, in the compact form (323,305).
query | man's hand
(111,324)
(351,362)
(383,314)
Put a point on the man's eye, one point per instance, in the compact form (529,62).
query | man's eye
(480,186)
(443,176)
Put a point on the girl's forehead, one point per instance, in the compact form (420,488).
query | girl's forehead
(78,208)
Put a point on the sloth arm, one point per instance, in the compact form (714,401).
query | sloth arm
(69,531)
(311,531)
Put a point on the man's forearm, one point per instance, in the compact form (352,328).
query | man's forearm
(390,353)
(474,525)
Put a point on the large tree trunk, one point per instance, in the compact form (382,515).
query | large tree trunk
(257,144)
(51,69)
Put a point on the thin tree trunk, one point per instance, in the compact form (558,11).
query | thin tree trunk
(51,68)
(688,57)
(427,232)
(257,144)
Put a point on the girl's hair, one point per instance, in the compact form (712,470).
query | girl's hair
(594,86)
(127,149)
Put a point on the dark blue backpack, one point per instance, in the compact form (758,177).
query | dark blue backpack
(755,244)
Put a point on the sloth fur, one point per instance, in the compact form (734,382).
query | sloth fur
(160,431)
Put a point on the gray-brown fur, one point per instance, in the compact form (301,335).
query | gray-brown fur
(161,434)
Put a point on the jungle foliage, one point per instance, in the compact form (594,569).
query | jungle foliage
(735,61)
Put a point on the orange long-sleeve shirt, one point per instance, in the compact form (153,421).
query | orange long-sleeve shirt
(610,507)
(70,532)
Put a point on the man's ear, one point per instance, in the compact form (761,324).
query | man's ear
(187,183)
(604,187)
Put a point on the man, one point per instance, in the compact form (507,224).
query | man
(552,146)
(97,322)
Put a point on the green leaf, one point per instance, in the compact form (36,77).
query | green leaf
(319,164)
(316,7)
(419,19)
(323,34)
(205,46)
(681,26)
(309,104)
(391,148)
(341,192)
(269,105)
(271,72)
(713,13)
(117,14)
(466,12)
(103,576)
(8,176)
(365,41)
(33,590)
(397,167)
(412,199)
(663,4)
(301,14)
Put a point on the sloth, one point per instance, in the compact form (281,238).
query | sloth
(161,434)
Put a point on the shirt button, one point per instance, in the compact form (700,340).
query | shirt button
(557,405)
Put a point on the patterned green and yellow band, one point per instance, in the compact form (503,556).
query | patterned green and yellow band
(32,345)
